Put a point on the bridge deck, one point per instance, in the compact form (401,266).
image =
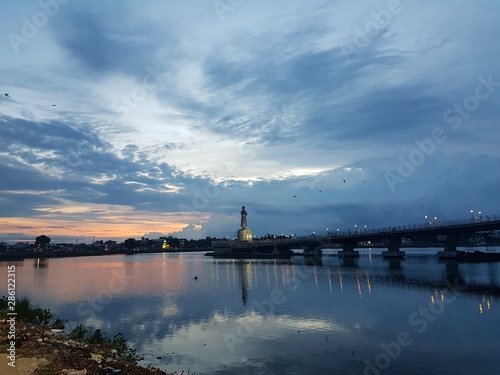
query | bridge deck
(447,228)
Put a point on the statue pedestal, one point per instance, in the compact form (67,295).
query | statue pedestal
(245,235)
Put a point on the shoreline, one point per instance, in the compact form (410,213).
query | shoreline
(471,255)
(12,256)
(43,350)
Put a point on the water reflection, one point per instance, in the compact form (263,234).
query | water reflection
(250,315)
(395,264)
(492,275)
(350,262)
(40,262)
(243,272)
(452,273)
(313,260)
(41,270)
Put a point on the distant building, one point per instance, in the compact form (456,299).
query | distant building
(19,246)
(108,245)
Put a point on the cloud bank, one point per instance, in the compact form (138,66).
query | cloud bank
(121,119)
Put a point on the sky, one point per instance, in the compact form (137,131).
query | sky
(126,119)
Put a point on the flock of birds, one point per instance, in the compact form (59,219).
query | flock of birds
(8,96)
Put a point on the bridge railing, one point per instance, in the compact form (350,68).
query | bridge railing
(367,231)
(412,227)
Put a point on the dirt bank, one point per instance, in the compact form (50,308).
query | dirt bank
(39,350)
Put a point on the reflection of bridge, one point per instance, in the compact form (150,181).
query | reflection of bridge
(448,232)
(284,274)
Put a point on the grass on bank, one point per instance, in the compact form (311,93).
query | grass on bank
(29,313)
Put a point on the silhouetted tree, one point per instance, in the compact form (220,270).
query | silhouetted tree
(129,244)
(41,242)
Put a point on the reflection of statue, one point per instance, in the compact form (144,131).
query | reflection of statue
(243,218)
(243,271)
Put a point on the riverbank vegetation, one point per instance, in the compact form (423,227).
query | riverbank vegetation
(82,350)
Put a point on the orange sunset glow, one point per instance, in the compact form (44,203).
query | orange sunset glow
(95,220)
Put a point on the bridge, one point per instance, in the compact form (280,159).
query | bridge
(448,232)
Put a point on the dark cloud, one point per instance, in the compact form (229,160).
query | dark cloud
(275,78)
(100,43)
(87,170)
(385,112)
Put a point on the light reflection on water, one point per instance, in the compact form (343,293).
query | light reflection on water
(281,316)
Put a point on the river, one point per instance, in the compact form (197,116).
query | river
(363,316)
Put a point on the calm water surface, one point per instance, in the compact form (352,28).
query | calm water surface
(369,316)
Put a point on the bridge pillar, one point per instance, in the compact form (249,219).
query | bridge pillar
(348,250)
(450,247)
(394,249)
(282,250)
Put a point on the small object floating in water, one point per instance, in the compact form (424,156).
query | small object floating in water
(196,277)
